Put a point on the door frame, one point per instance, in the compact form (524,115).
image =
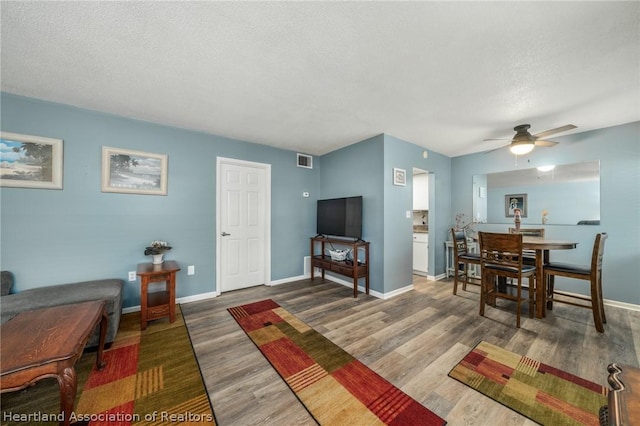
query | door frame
(266,217)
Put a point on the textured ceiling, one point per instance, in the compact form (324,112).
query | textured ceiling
(316,76)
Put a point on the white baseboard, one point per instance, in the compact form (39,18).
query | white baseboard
(384,296)
(397,292)
(186,299)
(613,303)
(290,279)
(622,305)
(437,277)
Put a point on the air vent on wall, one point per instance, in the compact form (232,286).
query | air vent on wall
(305,161)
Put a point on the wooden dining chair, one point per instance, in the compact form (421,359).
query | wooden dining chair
(462,258)
(501,256)
(591,273)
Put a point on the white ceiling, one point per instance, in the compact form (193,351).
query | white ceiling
(316,76)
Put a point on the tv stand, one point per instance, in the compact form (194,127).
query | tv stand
(349,267)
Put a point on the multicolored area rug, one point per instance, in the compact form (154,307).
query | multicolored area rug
(151,377)
(335,387)
(542,393)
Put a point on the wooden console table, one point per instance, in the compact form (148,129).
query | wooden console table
(47,343)
(158,304)
(624,398)
(350,268)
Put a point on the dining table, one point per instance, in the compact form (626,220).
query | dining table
(542,246)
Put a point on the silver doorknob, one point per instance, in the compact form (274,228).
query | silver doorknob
(224,234)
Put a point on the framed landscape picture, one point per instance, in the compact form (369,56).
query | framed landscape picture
(133,172)
(30,161)
(515,201)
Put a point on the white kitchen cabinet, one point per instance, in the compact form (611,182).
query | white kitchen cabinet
(421,192)
(421,253)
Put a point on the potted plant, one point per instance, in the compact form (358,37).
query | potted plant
(157,249)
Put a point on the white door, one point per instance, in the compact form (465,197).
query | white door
(242,224)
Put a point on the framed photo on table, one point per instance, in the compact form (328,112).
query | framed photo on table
(513,202)
(133,172)
(30,161)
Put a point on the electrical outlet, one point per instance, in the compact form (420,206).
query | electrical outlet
(132,275)
(191,269)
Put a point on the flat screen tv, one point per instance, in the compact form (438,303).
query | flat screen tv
(340,217)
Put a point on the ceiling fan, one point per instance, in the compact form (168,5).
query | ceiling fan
(523,142)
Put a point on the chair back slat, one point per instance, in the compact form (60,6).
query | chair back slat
(459,242)
(529,232)
(501,249)
(598,252)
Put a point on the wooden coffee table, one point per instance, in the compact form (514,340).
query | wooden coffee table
(47,343)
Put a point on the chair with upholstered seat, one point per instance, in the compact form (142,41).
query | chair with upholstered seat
(462,258)
(501,256)
(591,273)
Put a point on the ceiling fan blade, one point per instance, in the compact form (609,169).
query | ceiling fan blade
(554,131)
(545,143)
(486,140)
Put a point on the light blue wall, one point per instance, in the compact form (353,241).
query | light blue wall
(566,203)
(357,170)
(398,229)
(79,233)
(618,149)
(366,168)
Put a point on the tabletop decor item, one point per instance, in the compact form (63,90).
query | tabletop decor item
(544,216)
(516,219)
(157,248)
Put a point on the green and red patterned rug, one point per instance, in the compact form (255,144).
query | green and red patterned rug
(540,392)
(151,377)
(335,387)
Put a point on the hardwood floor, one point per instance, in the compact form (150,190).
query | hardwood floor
(413,340)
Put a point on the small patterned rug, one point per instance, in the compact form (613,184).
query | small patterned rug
(335,387)
(151,377)
(540,392)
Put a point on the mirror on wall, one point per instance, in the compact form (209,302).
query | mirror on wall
(566,194)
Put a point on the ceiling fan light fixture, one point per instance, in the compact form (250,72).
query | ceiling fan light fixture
(521,148)
(547,168)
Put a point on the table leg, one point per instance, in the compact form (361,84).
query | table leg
(540,285)
(172,297)
(143,301)
(104,321)
(68,382)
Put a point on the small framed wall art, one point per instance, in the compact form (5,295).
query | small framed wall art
(399,177)
(30,161)
(513,202)
(133,172)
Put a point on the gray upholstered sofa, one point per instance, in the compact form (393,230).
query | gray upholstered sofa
(64,294)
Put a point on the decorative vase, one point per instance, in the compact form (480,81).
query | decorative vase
(158,258)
